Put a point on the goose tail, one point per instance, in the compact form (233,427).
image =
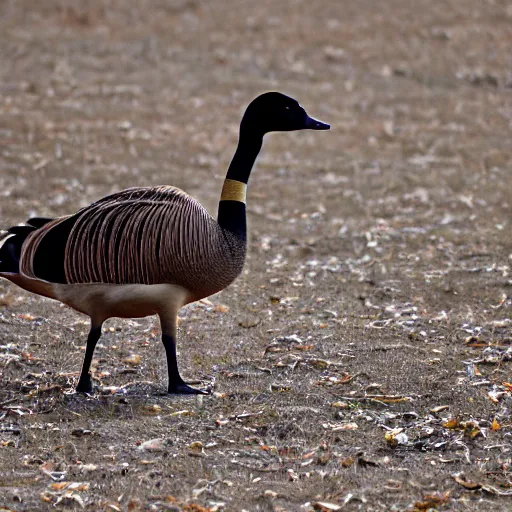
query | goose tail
(12,241)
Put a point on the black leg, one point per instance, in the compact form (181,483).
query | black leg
(85,382)
(176,383)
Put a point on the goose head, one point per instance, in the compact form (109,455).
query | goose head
(276,112)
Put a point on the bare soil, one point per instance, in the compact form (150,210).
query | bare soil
(362,361)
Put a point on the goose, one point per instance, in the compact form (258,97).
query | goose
(147,250)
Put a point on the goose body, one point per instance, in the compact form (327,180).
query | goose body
(147,250)
(140,236)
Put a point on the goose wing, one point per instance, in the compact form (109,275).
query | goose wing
(141,235)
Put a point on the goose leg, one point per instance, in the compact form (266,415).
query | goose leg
(176,384)
(85,383)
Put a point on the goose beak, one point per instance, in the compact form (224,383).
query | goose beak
(315,124)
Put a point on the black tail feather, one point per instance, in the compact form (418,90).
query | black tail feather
(10,250)
(20,230)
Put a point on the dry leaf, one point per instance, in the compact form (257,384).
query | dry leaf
(346,462)
(292,475)
(132,359)
(184,412)
(396,436)
(304,348)
(471,429)
(88,468)
(272,449)
(472,486)
(26,316)
(432,501)
(390,399)
(344,427)
(452,423)
(334,380)
(340,405)
(495,396)
(196,445)
(154,445)
(152,409)
(324,506)
(439,408)
(221,421)
(71,486)
(70,496)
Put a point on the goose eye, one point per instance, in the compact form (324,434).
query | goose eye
(287,108)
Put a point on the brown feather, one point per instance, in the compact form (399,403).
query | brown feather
(151,235)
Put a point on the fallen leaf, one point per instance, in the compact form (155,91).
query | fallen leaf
(452,423)
(304,348)
(70,496)
(472,486)
(495,396)
(324,506)
(324,363)
(292,475)
(88,468)
(153,409)
(196,445)
(71,486)
(439,408)
(334,380)
(396,436)
(471,429)
(432,501)
(272,449)
(184,412)
(340,405)
(26,316)
(154,445)
(343,427)
(132,359)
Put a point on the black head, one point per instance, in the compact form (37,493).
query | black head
(276,112)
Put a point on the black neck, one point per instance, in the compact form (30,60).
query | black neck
(232,214)
(249,145)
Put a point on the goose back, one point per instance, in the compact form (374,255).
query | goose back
(150,235)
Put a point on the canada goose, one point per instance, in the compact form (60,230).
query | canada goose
(147,250)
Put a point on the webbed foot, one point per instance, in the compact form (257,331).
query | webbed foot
(182,388)
(84,385)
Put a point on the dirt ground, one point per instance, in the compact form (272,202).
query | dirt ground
(363,359)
